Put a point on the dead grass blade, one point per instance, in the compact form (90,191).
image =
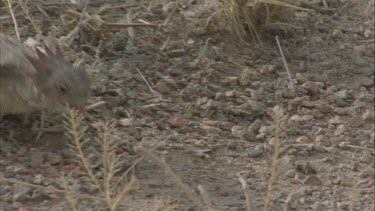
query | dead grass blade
(14,19)
(285,63)
(245,189)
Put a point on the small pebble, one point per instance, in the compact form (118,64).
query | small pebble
(368,115)
(324,107)
(161,87)
(36,160)
(256,152)
(313,180)
(367,82)
(341,129)
(343,94)
(303,140)
(356,121)
(304,147)
(126,122)
(311,88)
(291,173)
(337,34)
(323,140)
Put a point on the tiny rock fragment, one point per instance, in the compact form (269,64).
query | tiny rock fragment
(237,131)
(220,96)
(243,82)
(176,122)
(305,167)
(297,101)
(54,158)
(162,87)
(36,160)
(232,144)
(255,126)
(324,107)
(343,94)
(296,118)
(368,115)
(304,147)
(367,82)
(230,93)
(291,173)
(307,104)
(256,152)
(248,136)
(344,111)
(303,140)
(323,140)
(211,104)
(337,34)
(155,183)
(336,120)
(126,122)
(356,121)
(340,130)
(313,180)
(285,165)
(267,69)
(307,117)
(38,179)
(311,88)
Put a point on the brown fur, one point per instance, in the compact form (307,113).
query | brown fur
(35,80)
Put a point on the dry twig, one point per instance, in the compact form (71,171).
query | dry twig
(155,93)
(246,191)
(285,63)
(75,31)
(206,198)
(14,19)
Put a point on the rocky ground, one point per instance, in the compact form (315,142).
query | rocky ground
(204,101)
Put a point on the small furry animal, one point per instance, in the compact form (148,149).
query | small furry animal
(38,79)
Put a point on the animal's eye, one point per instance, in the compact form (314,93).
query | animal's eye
(62,89)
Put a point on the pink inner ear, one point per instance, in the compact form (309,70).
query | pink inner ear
(41,55)
(36,62)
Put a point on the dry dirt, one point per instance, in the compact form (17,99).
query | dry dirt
(207,108)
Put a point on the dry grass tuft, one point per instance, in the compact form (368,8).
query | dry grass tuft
(250,16)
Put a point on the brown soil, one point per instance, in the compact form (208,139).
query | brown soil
(209,114)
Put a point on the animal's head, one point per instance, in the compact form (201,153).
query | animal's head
(58,81)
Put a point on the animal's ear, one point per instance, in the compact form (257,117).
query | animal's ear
(41,55)
(42,59)
(52,49)
(48,51)
(35,62)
